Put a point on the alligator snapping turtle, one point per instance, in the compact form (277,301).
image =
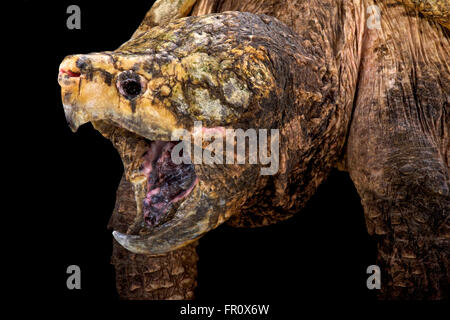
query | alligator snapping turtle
(371,101)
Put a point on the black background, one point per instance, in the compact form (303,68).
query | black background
(319,255)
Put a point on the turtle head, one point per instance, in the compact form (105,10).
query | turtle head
(149,97)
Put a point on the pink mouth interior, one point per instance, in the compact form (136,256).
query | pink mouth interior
(168,183)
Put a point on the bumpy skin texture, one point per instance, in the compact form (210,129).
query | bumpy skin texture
(398,152)
(373,102)
(398,146)
(438,10)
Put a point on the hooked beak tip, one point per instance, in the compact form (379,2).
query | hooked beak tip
(120,237)
(123,240)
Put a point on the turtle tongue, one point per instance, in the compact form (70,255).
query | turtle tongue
(168,183)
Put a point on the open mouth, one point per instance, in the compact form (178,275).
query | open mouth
(167,183)
(160,185)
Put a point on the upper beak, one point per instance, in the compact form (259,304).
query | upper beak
(69,78)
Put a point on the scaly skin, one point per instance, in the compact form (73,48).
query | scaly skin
(164,11)
(341,94)
(438,10)
(399,166)
(398,152)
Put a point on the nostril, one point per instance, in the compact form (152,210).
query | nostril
(70,73)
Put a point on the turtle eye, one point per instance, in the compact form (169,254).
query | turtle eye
(130,84)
